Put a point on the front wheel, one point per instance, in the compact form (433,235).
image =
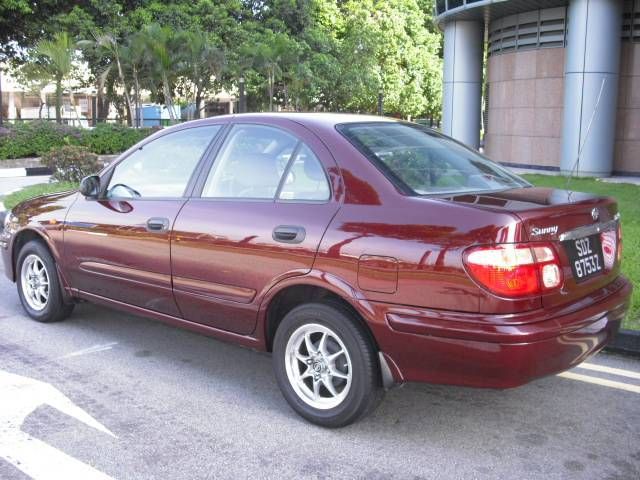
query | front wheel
(38,285)
(325,365)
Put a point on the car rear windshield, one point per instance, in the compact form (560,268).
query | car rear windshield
(424,162)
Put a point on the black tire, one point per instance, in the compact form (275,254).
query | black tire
(55,309)
(365,390)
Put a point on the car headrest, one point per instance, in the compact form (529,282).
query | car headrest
(256,169)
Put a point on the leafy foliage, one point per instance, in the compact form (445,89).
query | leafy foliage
(109,138)
(37,138)
(56,58)
(294,54)
(71,163)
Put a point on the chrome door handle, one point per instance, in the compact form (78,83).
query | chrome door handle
(289,234)
(157,224)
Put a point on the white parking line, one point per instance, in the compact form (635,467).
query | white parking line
(93,349)
(21,396)
(612,371)
(600,381)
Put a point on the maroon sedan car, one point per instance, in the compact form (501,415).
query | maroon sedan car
(362,251)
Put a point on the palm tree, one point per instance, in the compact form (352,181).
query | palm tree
(58,55)
(109,43)
(160,44)
(273,55)
(136,59)
(202,63)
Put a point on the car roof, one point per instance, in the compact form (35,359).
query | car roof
(319,119)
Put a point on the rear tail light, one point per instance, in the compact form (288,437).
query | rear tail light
(608,240)
(515,270)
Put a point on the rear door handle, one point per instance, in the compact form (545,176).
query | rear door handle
(289,234)
(157,224)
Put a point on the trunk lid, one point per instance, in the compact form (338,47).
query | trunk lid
(564,219)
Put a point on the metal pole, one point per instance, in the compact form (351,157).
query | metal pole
(381,102)
(243,98)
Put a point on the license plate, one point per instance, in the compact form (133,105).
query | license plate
(585,256)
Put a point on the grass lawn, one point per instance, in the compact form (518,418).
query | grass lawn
(628,197)
(31,191)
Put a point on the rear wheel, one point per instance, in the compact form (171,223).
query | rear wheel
(38,285)
(325,365)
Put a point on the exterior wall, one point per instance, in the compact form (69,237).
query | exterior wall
(525,107)
(627,150)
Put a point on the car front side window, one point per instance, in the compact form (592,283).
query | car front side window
(161,168)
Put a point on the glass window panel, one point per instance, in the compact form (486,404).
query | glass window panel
(251,163)
(306,179)
(163,167)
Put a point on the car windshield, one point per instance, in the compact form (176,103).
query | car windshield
(426,162)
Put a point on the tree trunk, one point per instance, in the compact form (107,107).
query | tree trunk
(168,100)
(136,86)
(127,99)
(42,104)
(198,102)
(286,96)
(59,99)
(72,104)
(271,82)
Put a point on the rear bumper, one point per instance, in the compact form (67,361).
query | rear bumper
(5,254)
(500,351)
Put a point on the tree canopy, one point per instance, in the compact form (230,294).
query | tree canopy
(298,54)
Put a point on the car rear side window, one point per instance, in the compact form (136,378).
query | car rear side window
(424,162)
(305,178)
(162,167)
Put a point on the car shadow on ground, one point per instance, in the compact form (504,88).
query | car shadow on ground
(408,409)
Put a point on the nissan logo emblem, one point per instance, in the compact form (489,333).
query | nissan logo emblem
(595,214)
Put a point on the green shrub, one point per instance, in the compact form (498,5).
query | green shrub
(71,163)
(34,139)
(111,138)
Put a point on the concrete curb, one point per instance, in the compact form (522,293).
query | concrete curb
(24,172)
(627,342)
(27,167)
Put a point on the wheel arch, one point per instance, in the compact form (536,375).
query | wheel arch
(20,239)
(28,234)
(313,287)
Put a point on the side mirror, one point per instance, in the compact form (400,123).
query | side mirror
(90,186)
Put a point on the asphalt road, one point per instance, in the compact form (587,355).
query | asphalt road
(106,395)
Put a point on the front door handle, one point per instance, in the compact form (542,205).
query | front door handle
(289,234)
(157,224)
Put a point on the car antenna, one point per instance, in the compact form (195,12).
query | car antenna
(576,165)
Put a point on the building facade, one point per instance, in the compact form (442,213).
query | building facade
(545,84)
